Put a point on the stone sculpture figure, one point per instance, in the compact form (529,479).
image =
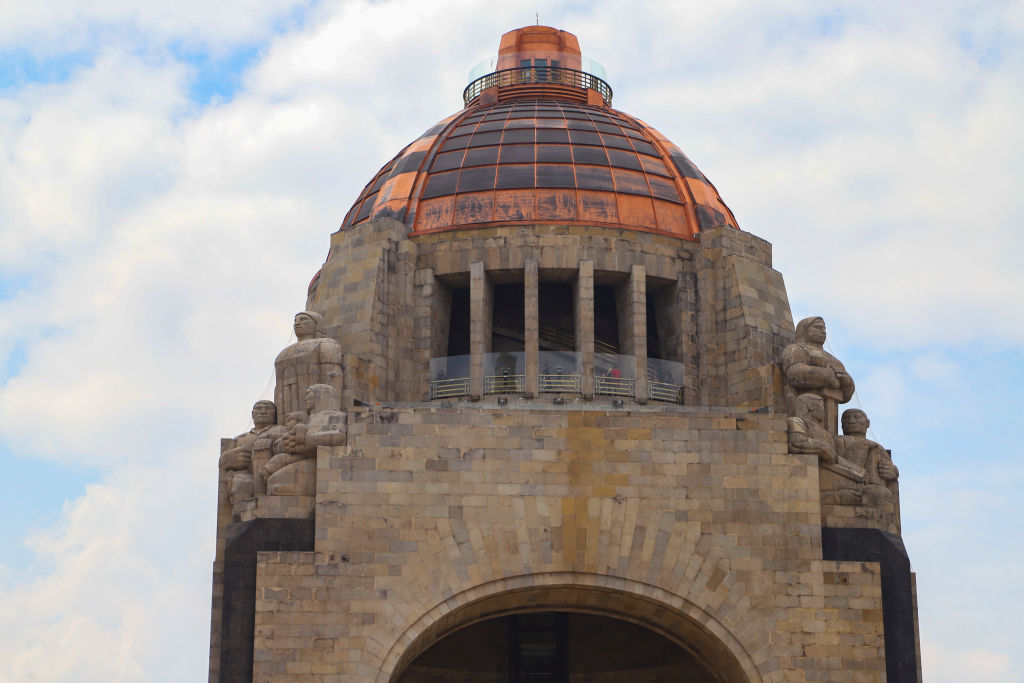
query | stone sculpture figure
(313,359)
(855,448)
(808,368)
(292,469)
(807,431)
(238,460)
(280,457)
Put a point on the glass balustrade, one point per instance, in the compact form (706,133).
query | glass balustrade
(505,372)
(449,377)
(559,372)
(665,380)
(614,375)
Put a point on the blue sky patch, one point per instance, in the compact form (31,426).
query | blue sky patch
(34,492)
(20,67)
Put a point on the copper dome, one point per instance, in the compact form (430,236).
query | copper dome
(539,143)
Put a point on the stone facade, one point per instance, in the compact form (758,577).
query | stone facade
(694,520)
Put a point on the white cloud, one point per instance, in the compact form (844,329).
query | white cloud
(956,666)
(167,246)
(52,27)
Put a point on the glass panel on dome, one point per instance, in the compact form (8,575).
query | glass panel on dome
(511,154)
(630,182)
(558,123)
(455,143)
(617,141)
(581,137)
(663,188)
(645,148)
(609,128)
(378,183)
(579,124)
(409,162)
(554,153)
(483,139)
(491,125)
(464,130)
(446,161)
(522,114)
(519,123)
(623,159)
(589,155)
(518,135)
(555,175)
(685,166)
(474,179)
(515,176)
(479,156)
(364,210)
(654,165)
(633,132)
(439,184)
(553,135)
(594,178)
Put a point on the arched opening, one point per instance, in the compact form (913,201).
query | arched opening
(569,627)
(555,647)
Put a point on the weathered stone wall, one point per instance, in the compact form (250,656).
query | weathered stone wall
(744,321)
(724,306)
(433,515)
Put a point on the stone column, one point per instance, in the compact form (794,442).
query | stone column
(431,338)
(531,283)
(481,318)
(638,327)
(584,312)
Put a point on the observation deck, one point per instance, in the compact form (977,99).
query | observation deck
(538,82)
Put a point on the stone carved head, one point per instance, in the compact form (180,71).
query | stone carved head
(855,422)
(321,397)
(309,325)
(264,414)
(811,331)
(811,406)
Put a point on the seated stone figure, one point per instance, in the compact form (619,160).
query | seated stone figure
(858,450)
(294,472)
(808,368)
(237,461)
(807,431)
(280,457)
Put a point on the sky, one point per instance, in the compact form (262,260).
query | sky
(170,173)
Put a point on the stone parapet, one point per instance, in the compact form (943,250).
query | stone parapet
(430,510)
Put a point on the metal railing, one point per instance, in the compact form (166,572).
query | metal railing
(542,75)
(449,388)
(560,384)
(505,384)
(662,391)
(615,386)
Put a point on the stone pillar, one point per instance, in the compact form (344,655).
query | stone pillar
(638,325)
(481,318)
(430,327)
(531,283)
(584,311)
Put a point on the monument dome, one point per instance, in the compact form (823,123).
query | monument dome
(539,142)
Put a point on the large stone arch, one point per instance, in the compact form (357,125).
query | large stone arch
(667,614)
